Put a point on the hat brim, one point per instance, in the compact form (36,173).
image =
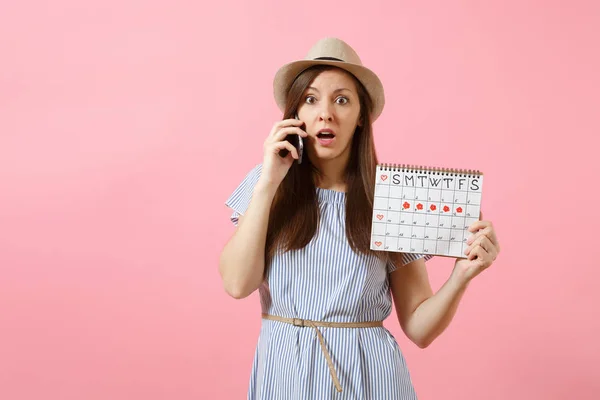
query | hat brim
(286,75)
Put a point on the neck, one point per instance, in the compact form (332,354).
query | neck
(332,174)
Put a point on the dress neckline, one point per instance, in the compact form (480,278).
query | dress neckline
(330,195)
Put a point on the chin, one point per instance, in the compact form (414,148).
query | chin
(327,154)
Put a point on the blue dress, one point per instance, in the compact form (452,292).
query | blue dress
(325,281)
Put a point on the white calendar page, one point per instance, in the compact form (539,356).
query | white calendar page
(424,211)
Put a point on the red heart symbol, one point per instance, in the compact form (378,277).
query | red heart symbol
(378,244)
(380,216)
(383,177)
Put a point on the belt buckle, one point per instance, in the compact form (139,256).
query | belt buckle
(298,322)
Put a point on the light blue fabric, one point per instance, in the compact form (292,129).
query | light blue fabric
(325,281)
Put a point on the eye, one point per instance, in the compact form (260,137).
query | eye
(345,100)
(308,98)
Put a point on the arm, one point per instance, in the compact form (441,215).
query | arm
(242,260)
(423,316)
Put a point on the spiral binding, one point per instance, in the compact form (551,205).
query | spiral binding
(466,173)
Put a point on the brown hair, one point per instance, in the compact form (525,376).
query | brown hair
(294,215)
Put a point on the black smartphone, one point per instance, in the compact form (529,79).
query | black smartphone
(297,142)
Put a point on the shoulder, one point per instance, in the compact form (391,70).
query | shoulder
(239,199)
(255,170)
(251,177)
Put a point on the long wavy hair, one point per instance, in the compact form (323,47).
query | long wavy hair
(294,215)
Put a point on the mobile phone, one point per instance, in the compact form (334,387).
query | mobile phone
(297,142)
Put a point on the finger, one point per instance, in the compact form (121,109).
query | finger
(473,237)
(483,228)
(487,233)
(485,243)
(475,226)
(478,253)
(493,239)
(467,251)
(493,253)
(282,133)
(473,253)
(491,248)
(285,123)
(490,233)
(482,241)
(277,147)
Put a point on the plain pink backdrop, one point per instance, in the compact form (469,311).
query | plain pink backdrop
(124,126)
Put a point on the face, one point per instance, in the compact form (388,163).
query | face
(330,108)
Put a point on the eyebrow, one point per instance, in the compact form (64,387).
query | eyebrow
(335,91)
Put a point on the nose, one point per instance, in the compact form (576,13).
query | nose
(326,114)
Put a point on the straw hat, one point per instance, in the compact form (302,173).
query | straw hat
(335,52)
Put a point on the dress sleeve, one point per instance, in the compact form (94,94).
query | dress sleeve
(407,258)
(239,200)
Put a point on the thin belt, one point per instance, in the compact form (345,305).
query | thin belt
(315,325)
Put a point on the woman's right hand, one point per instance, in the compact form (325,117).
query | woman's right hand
(275,167)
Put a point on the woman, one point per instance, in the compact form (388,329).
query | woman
(302,240)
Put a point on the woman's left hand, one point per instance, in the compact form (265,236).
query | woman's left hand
(482,251)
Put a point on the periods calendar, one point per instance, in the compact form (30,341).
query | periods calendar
(425,210)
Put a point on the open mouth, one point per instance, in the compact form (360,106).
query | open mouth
(326,134)
(326,138)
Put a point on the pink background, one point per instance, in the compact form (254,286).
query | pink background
(124,126)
